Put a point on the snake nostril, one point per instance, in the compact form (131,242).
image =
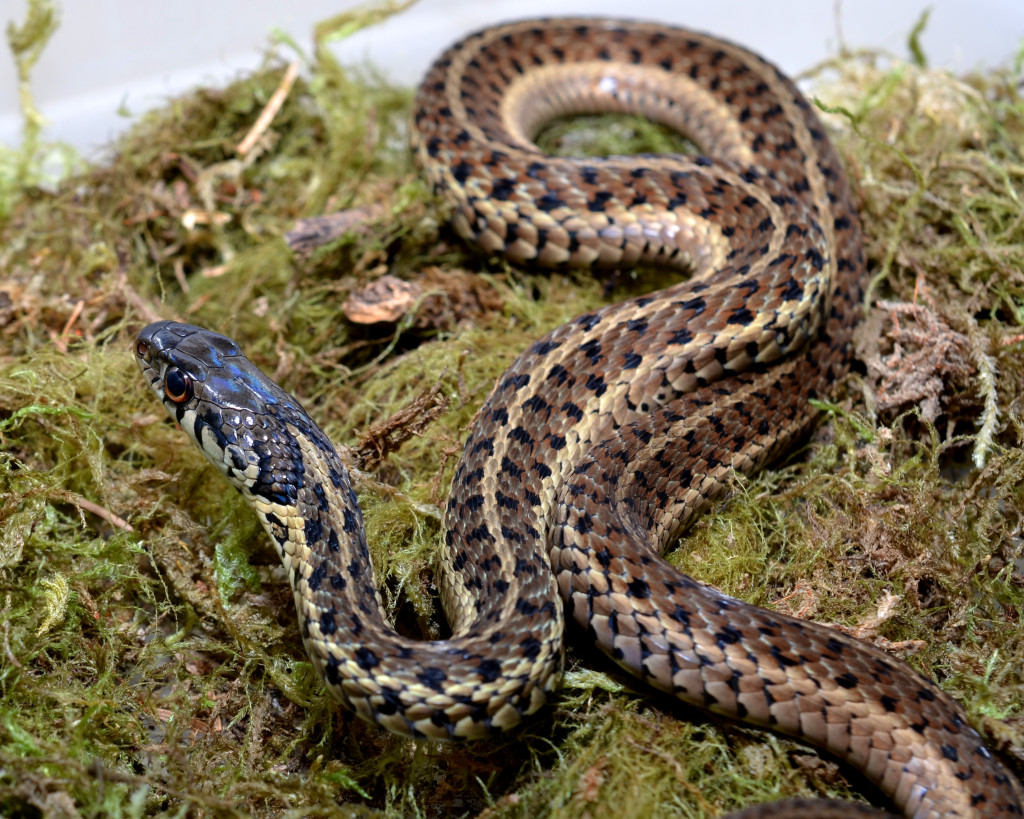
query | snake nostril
(142,350)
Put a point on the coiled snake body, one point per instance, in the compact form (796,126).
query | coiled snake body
(603,440)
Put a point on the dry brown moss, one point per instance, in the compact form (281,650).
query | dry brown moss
(159,671)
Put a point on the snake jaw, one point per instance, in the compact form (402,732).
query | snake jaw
(214,412)
(244,423)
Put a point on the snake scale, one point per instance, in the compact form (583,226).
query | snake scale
(604,439)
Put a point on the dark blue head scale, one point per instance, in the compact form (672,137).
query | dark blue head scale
(221,372)
(195,350)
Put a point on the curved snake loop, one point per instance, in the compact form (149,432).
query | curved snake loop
(603,440)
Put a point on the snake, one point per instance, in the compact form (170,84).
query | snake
(607,437)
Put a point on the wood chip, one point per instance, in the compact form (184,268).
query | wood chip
(385,300)
(442,300)
(309,234)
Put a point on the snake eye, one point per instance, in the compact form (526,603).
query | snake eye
(142,349)
(177,386)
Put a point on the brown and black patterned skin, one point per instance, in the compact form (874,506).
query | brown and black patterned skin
(604,440)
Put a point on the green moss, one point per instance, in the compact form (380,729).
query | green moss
(159,671)
(610,135)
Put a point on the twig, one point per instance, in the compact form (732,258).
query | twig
(100,512)
(143,307)
(270,110)
(800,588)
(7,647)
(61,341)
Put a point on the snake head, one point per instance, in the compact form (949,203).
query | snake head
(192,369)
(242,421)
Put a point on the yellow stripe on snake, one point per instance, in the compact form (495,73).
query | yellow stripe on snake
(604,440)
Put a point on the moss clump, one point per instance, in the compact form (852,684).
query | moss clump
(149,657)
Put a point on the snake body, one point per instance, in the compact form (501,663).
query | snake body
(604,439)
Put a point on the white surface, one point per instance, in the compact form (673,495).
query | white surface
(113,53)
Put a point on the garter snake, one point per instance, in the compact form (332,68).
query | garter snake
(604,439)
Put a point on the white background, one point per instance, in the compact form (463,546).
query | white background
(136,53)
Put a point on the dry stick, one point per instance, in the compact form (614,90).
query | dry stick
(7,647)
(146,310)
(270,110)
(60,342)
(99,511)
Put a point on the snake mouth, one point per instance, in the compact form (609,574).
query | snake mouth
(145,360)
(183,364)
(234,413)
(152,345)
(182,361)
